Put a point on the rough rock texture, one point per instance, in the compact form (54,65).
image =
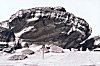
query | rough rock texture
(91,43)
(6,35)
(18,46)
(27,51)
(44,24)
(3,46)
(56,49)
(17,57)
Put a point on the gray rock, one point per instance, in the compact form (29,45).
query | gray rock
(91,43)
(6,35)
(44,24)
(27,51)
(17,57)
(56,49)
(3,45)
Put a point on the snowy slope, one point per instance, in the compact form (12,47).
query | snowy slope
(56,59)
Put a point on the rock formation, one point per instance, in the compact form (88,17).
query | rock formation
(44,24)
(91,43)
(6,35)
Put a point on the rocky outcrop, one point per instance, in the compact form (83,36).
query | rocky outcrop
(44,24)
(91,43)
(6,35)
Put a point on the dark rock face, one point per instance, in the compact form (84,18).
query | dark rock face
(88,44)
(72,40)
(44,24)
(6,35)
(18,46)
(91,43)
(4,45)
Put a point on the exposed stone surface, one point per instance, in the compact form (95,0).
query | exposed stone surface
(18,46)
(44,24)
(26,45)
(3,45)
(91,43)
(27,51)
(56,49)
(17,57)
(6,35)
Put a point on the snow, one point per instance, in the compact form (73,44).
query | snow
(4,24)
(69,58)
(10,43)
(32,19)
(38,14)
(97,42)
(97,49)
(23,31)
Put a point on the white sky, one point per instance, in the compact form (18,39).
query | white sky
(87,9)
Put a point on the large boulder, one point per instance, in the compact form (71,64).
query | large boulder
(44,24)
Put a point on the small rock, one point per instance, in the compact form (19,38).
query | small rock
(45,50)
(26,45)
(27,51)
(56,49)
(17,57)
(8,50)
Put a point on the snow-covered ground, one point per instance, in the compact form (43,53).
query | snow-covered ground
(69,58)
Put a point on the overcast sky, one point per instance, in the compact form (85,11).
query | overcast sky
(87,9)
